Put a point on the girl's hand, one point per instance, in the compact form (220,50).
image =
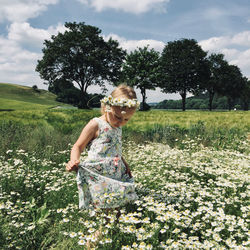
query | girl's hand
(72,165)
(127,168)
(128,172)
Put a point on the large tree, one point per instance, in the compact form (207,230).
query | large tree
(185,67)
(80,55)
(217,67)
(233,83)
(141,69)
(245,94)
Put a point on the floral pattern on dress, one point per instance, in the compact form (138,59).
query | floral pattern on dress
(102,179)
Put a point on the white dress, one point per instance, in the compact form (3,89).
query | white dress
(102,179)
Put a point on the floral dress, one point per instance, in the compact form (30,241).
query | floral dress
(101,178)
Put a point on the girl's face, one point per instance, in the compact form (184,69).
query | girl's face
(118,116)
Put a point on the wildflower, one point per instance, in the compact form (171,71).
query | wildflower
(216,237)
(31,227)
(176,231)
(126,247)
(82,236)
(81,242)
(108,240)
(73,235)
(149,247)
(142,245)
(134,245)
(146,220)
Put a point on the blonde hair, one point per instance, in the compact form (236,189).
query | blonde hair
(122,91)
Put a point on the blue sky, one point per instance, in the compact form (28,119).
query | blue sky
(217,25)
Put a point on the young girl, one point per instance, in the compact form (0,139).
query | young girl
(104,178)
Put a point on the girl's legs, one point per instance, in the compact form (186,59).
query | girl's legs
(98,233)
(118,214)
(112,210)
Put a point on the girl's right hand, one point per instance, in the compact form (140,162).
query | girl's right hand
(72,165)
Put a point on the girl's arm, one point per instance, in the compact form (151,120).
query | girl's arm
(127,168)
(89,132)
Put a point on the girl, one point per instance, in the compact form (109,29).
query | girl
(104,178)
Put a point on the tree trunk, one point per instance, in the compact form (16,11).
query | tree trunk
(245,105)
(143,92)
(84,99)
(230,103)
(211,97)
(183,96)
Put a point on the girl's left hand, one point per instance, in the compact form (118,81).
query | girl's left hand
(72,165)
(127,168)
(128,172)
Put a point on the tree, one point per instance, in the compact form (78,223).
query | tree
(142,70)
(59,85)
(35,88)
(217,65)
(81,56)
(185,67)
(233,83)
(245,94)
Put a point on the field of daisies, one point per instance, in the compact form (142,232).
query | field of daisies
(191,196)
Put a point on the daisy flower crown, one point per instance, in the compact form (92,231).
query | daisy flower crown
(122,102)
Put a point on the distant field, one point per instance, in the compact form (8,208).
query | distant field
(17,97)
(141,121)
(214,119)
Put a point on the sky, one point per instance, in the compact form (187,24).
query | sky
(218,26)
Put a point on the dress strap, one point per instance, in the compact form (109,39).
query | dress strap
(98,120)
(101,122)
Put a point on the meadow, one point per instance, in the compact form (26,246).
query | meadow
(191,171)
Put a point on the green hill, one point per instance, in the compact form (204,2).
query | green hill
(18,97)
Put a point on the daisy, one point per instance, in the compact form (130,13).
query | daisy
(81,242)
(73,235)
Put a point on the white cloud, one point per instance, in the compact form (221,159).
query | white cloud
(17,64)
(131,45)
(214,43)
(242,60)
(131,6)
(236,49)
(217,43)
(230,54)
(24,34)
(242,39)
(22,10)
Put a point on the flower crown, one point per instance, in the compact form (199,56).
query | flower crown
(122,102)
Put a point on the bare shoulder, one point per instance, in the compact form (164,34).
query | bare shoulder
(92,126)
(89,132)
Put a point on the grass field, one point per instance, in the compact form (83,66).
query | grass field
(17,97)
(191,171)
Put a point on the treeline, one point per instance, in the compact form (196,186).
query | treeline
(199,102)
(81,57)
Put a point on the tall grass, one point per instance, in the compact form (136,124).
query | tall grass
(33,130)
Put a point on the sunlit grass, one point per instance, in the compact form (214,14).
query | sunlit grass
(17,97)
(224,119)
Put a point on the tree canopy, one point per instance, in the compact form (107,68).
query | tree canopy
(81,56)
(142,70)
(185,67)
(233,83)
(217,67)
